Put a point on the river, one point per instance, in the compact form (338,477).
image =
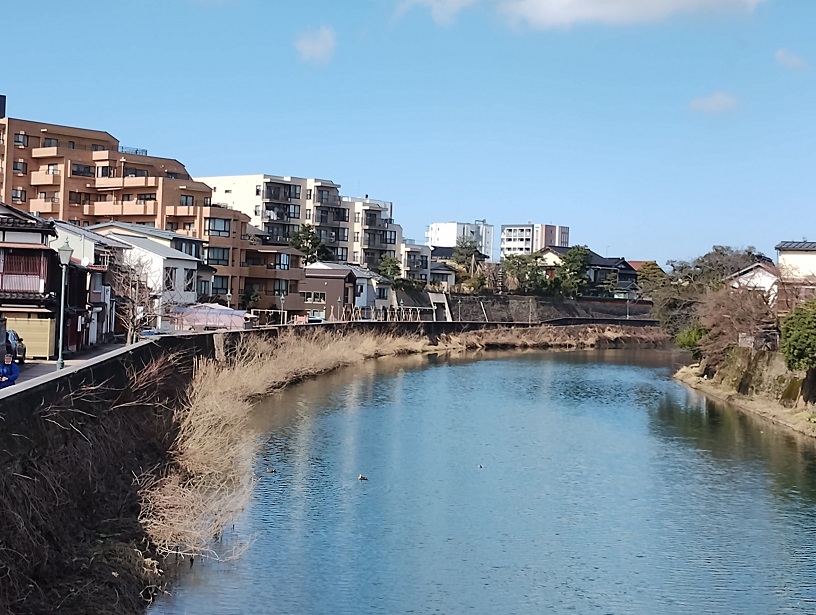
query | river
(584,482)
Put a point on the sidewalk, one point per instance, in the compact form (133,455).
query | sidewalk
(34,368)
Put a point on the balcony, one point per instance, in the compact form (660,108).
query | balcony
(329,201)
(48,205)
(257,271)
(277,198)
(112,183)
(50,152)
(123,208)
(184,210)
(45,178)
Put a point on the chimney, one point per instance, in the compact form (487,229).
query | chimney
(2,105)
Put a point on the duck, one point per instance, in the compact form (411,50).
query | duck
(362,477)
(271,471)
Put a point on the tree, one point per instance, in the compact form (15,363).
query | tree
(465,253)
(651,276)
(799,337)
(308,241)
(135,301)
(726,314)
(389,267)
(528,271)
(573,271)
(677,297)
(249,299)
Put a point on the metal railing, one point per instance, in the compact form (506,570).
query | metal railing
(134,151)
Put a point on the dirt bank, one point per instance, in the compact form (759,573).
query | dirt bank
(757,383)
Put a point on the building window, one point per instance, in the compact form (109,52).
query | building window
(203,288)
(341,254)
(19,166)
(313,297)
(218,256)
(96,147)
(342,234)
(308,194)
(382,293)
(217,227)
(280,261)
(290,229)
(189,280)
(187,200)
(127,197)
(141,199)
(171,226)
(308,214)
(357,237)
(169,278)
(207,201)
(292,192)
(341,214)
(293,211)
(134,172)
(71,145)
(50,142)
(360,289)
(21,139)
(390,237)
(79,198)
(104,171)
(280,288)
(187,226)
(220,284)
(18,195)
(423,262)
(53,169)
(82,170)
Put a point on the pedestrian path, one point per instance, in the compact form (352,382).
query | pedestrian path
(35,368)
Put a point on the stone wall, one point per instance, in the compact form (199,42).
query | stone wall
(518,309)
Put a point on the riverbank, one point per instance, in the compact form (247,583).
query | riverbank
(156,462)
(776,398)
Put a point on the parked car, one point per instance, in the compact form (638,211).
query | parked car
(15,346)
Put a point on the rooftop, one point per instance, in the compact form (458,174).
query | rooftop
(143,230)
(796,246)
(155,247)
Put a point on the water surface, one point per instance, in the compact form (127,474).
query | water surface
(530,483)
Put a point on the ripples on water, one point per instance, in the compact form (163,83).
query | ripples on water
(605,487)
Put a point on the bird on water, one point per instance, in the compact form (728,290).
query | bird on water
(362,477)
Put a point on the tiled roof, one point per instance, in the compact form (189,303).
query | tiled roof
(155,247)
(797,246)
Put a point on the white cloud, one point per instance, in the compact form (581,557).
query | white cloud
(716,103)
(789,59)
(560,13)
(317,46)
(442,11)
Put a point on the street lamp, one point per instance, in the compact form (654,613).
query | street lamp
(283,308)
(339,307)
(402,309)
(459,305)
(65,253)
(229,298)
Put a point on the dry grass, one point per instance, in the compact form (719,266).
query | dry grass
(211,477)
(581,336)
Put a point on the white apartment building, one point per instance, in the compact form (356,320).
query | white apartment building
(529,238)
(445,235)
(372,231)
(281,205)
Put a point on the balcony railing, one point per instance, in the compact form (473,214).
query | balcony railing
(133,151)
(21,283)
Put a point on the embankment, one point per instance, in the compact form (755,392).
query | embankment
(758,382)
(109,467)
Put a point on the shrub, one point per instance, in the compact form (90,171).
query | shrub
(799,337)
(689,338)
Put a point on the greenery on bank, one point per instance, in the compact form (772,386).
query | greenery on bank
(799,337)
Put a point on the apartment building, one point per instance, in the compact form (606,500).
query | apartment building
(416,260)
(282,205)
(529,238)
(446,234)
(373,231)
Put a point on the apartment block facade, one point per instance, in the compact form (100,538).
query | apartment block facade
(446,234)
(529,238)
(86,177)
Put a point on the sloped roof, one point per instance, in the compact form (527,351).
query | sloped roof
(796,246)
(155,247)
(436,266)
(445,253)
(362,272)
(144,230)
(769,267)
(595,259)
(11,217)
(105,240)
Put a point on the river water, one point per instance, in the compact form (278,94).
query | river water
(584,482)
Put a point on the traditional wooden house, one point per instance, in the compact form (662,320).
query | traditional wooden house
(29,280)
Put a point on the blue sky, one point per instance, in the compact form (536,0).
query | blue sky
(653,128)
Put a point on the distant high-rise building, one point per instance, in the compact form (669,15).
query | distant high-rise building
(446,234)
(529,238)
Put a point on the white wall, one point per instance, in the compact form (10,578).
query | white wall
(797,265)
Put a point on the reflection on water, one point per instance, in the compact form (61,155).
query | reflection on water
(517,483)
